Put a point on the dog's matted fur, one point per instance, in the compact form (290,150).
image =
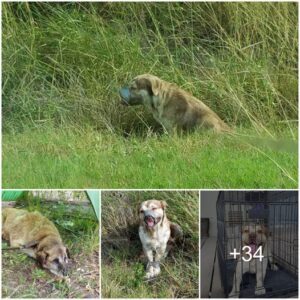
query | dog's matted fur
(36,236)
(174,108)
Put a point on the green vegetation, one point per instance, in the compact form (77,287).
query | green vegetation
(123,265)
(22,277)
(85,160)
(63,64)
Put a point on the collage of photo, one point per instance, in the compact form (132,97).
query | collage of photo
(149,149)
(147,244)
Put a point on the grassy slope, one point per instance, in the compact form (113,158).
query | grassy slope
(23,278)
(122,266)
(43,159)
(64,63)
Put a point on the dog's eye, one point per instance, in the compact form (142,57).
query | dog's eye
(56,261)
(154,208)
(141,211)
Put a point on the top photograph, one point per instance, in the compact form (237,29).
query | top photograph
(150,95)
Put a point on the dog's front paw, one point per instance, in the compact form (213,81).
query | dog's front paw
(233,294)
(149,270)
(260,291)
(156,270)
(153,269)
(274,267)
(149,275)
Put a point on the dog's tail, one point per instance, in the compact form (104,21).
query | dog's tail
(176,233)
(176,237)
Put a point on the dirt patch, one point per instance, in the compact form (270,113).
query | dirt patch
(22,277)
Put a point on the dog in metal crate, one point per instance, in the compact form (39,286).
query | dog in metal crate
(253,236)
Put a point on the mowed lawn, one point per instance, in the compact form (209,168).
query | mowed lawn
(88,159)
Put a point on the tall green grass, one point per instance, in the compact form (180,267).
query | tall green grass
(64,62)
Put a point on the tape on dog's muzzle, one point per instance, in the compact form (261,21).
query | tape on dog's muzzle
(125,93)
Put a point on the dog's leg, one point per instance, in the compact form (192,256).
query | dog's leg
(168,126)
(273,266)
(5,235)
(15,243)
(160,254)
(260,277)
(150,265)
(237,278)
(30,252)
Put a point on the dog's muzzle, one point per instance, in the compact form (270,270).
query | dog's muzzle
(125,95)
(151,221)
(64,269)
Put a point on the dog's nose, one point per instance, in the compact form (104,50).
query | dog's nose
(65,270)
(252,236)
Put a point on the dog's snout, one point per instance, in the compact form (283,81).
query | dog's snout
(64,269)
(147,213)
(252,236)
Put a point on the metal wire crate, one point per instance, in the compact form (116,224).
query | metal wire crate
(278,212)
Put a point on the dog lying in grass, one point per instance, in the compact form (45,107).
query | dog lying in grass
(174,108)
(37,237)
(157,234)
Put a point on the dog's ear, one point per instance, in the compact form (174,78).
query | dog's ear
(163,204)
(265,230)
(68,253)
(41,257)
(154,86)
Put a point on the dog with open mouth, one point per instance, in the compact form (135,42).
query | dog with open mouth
(37,237)
(157,234)
(253,236)
(174,108)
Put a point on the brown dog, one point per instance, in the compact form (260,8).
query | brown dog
(157,234)
(174,108)
(36,236)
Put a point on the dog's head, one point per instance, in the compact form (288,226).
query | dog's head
(254,236)
(152,213)
(54,256)
(141,89)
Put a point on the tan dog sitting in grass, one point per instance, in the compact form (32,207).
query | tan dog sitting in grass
(36,236)
(171,106)
(157,234)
